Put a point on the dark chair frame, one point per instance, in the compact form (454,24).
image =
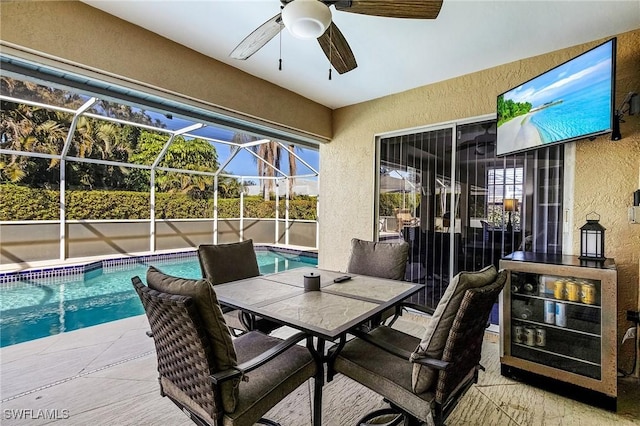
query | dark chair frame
(461,355)
(182,349)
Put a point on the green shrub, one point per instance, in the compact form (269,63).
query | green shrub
(23,203)
(391,201)
(107,205)
(182,206)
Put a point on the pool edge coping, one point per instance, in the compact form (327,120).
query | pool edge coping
(82,267)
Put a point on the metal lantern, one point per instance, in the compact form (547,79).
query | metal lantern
(592,239)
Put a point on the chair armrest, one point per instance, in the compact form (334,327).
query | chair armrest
(393,350)
(402,353)
(240,369)
(421,308)
(438,364)
(404,305)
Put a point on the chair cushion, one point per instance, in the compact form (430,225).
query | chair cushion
(267,385)
(435,336)
(384,373)
(376,259)
(221,263)
(222,351)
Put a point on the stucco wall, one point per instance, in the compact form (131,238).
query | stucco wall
(79,34)
(606,172)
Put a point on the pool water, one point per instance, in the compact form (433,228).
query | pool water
(33,309)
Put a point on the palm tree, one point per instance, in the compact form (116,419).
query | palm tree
(270,152)
(194,154)
(293,169)
(230,187)
(28,128)
(34,129)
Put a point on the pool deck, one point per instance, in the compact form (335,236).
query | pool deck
(106,375)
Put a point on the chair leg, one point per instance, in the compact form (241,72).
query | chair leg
(247,320)
(333,353)
(397,315)
(192,415)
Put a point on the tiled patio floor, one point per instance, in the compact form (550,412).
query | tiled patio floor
(105,375)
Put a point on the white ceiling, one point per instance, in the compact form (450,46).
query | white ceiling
(393,55)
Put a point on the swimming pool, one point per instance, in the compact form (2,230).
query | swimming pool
(35,308)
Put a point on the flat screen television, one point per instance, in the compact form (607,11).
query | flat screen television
(571,101)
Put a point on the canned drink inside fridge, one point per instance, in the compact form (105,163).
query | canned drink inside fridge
(518,334)
(542,287)
(530,336)
(549,311)
(561,314)
(588,293)
(558,289)
(541,337)
(572,291)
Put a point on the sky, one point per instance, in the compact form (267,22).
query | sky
(578,73)
(244,164)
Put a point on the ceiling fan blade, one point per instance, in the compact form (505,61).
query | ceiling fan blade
(337,50)
(414,9)
(258,38)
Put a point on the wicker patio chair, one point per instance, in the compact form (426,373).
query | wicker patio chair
(222,263)
(424,379)
(214,380)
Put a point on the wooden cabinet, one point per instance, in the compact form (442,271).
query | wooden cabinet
(558,320)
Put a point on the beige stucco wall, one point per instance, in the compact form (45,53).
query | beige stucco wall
(606,172)
(606,175)
(85,36)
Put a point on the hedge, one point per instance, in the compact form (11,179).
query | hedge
(391,201)
(23,203)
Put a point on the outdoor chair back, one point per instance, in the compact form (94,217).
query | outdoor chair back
(213,379)
(380,260)
(222,263)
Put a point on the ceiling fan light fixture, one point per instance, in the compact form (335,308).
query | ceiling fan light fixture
(306,18)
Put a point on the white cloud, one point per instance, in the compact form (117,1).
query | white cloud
(550,92)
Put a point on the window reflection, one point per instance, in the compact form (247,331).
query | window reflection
(460,207)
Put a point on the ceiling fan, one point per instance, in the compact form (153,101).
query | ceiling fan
(312,19)
(483,143)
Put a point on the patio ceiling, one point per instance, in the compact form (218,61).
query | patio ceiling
(393,55)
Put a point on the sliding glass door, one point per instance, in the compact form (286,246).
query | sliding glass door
(416,199)
(459,207)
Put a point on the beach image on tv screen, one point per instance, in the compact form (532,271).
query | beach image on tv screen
(567,102)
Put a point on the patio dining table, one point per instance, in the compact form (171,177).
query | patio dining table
(328,314)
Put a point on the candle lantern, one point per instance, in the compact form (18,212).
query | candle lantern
(592,239)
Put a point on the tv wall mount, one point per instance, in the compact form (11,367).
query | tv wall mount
(630,106)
